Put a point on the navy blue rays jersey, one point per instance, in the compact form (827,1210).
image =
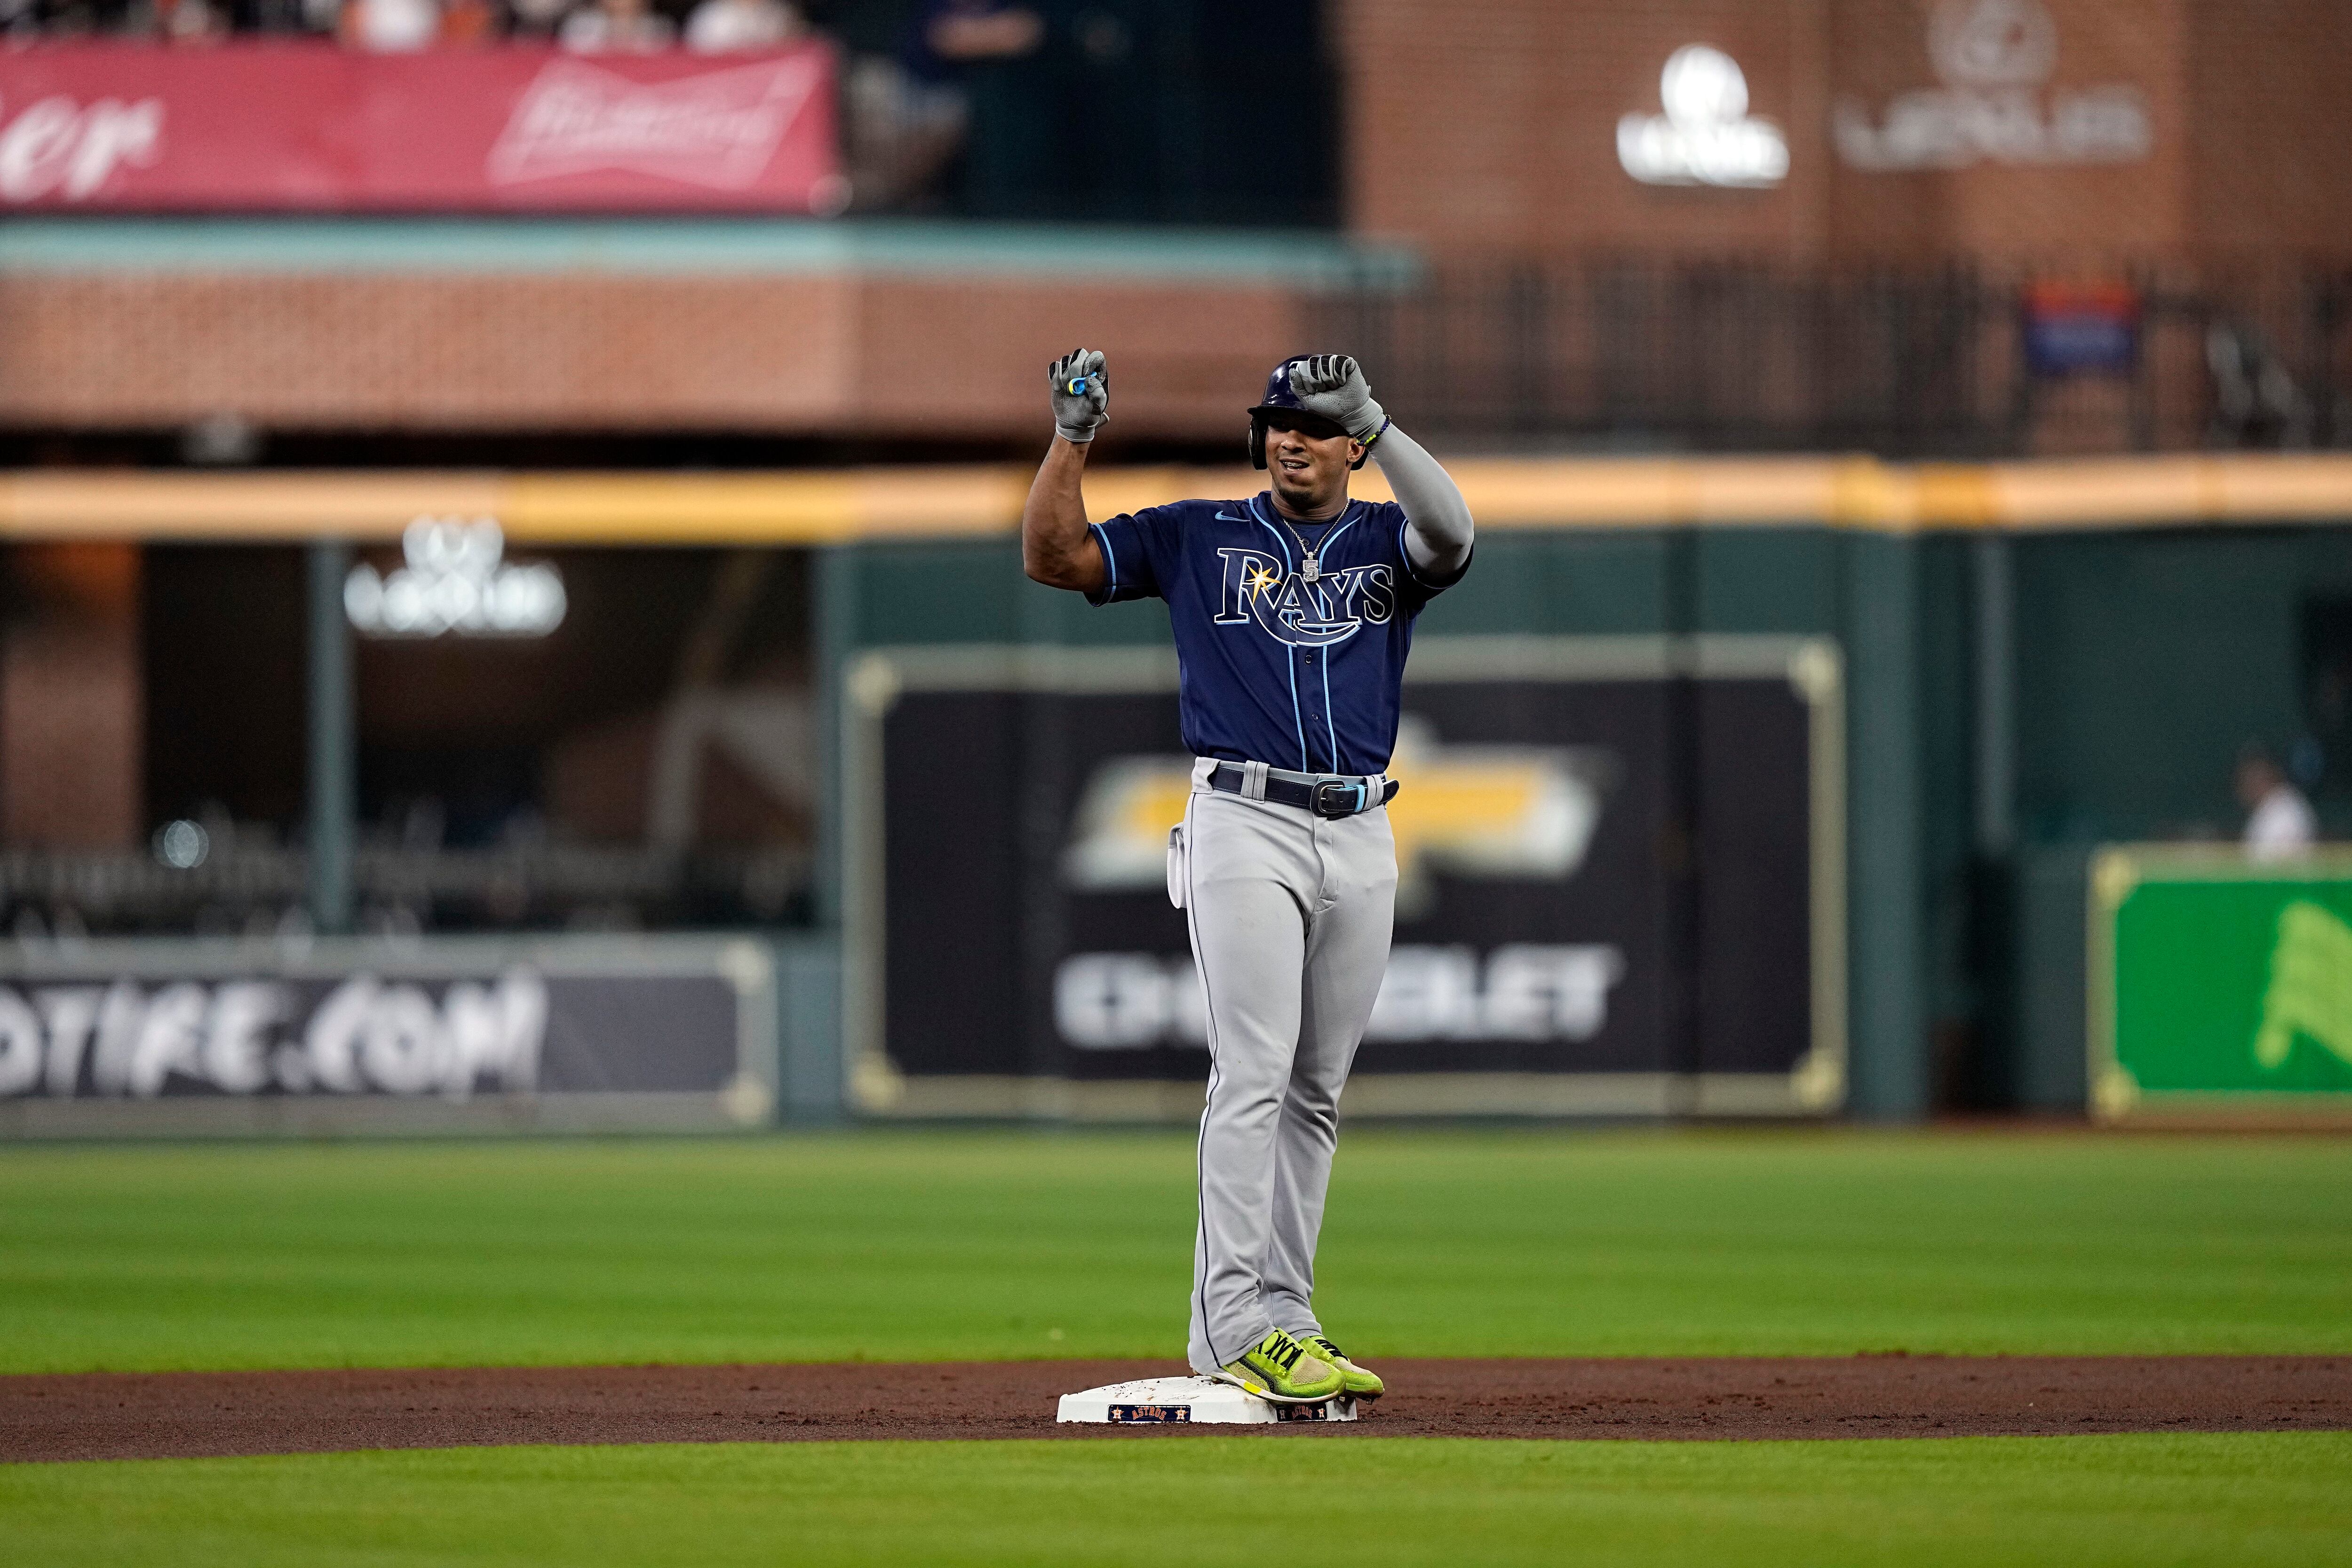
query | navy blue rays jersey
(1277,668)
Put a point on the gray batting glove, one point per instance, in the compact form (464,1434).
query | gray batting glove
(1081,395)
(1333,385)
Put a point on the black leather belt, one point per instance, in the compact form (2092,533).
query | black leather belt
(1326,794)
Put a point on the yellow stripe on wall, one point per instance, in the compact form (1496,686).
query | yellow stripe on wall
(835,506)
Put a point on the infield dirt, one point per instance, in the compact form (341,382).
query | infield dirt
(108,1415)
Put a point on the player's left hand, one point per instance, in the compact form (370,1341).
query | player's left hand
(1333,385)
(1081,395)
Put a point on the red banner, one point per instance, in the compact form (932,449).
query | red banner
(312,127)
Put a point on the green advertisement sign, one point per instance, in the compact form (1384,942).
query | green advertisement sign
(2219,984)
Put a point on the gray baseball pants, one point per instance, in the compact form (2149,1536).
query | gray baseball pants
(1290,915)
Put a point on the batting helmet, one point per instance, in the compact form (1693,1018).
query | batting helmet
(1281,399)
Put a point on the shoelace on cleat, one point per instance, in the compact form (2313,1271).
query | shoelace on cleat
(1281,1349)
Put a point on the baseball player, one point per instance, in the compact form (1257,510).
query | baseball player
(1293,612)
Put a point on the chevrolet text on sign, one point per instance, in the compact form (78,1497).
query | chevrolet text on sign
(1552,951)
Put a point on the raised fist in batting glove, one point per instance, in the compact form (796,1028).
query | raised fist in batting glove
(1333,385)
(1081,395)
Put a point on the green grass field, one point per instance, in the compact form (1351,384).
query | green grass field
(921,1244)
(924,1246)
(2130,1502)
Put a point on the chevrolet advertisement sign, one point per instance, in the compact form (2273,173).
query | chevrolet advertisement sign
(1619,890)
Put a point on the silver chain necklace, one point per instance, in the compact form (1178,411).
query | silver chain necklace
(1311,564)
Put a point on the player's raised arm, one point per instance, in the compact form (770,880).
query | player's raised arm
(1056,547)
(1438,529)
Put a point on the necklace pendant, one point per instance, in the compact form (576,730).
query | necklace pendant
(1310,569)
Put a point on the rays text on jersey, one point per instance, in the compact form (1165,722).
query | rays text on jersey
(1259,589)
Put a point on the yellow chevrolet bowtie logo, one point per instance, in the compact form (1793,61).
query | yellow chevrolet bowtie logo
(1467,811)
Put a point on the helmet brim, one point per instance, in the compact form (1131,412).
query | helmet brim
(1306,424)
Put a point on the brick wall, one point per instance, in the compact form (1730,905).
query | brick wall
(970,358)
(823,354)
(1491,127)
(2016,209)
(2271,154)
(1472,130)
(1494,126)
(71,698)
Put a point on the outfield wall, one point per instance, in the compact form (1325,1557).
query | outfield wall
(2037,659)
(2033,659)
(1621,586)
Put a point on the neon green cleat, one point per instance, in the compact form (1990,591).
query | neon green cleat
(1360,1384)
(1278,1368)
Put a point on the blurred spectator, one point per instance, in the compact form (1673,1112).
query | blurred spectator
(192,21)
(390,26)
(470,21)
(908,118)
(724,27)
(965,29)
(537,20)
(618,27)
(2255,402)
(952,34)
(2279,821)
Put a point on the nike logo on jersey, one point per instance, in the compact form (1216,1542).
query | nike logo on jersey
(1259,589)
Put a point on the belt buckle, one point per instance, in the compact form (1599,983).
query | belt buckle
(1330,793)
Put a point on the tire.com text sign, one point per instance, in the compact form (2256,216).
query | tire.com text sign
(310,127)
(179,1036)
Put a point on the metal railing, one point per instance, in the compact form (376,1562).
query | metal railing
(1641,353)
(260,890)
